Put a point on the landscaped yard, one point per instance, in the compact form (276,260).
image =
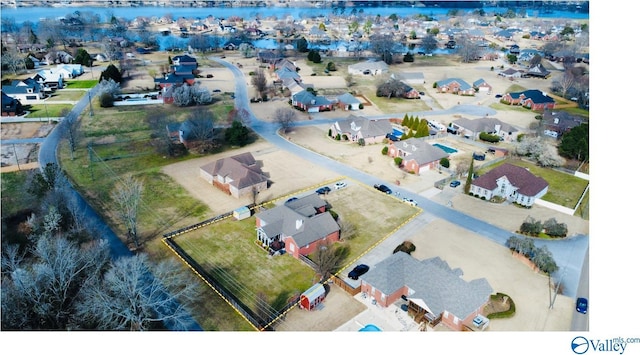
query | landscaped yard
(80,84)
(47,110)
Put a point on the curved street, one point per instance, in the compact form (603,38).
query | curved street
(569,253)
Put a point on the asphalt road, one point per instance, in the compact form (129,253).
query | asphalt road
(569,253)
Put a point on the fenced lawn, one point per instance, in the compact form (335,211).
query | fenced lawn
(229,252)
(564,189)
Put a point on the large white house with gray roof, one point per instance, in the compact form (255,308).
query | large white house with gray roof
(435,292)
(417,154)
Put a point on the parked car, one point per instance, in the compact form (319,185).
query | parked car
(392,138)
(292,199)
(358,271)
(409,201)
(498,96)
(340,185)
(382,188)
(581,305)
(454,183)
(323,190)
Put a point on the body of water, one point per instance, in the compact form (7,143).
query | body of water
(33,14)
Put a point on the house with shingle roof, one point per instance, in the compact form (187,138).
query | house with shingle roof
(356,128)
(455,86)
(535,99)
(11,106)
(190,132)
(348,102)
(26,91)
(538,71)
(309,102)
(186,60)
(471,128)
(368,68)
(511,73)
(298,227)
(481,85)
(437,294)
(557,123)
(417,154)
(514,183)
(238,176)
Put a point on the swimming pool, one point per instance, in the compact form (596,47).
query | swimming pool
(398,133)
(370,328)
(445,148)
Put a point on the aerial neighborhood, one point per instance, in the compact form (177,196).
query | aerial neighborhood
(350,170)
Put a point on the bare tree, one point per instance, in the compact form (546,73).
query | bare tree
(429,43)
(391,88)
(468,50)
(137,295)
(285,118)
(347,229)
(259,81)
(127,196)
(329,258)
(462,167)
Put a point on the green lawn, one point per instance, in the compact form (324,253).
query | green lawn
(64,95)
(564,189)
(47,110)
(80,84)
(14,197)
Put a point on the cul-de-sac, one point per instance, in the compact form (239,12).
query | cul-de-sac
(295,166)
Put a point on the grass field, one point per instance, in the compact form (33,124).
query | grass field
(81,84)
(67,95)
(47,110)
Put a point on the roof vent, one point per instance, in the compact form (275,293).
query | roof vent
(299,223)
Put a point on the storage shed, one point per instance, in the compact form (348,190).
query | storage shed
(312,297)
(242,213)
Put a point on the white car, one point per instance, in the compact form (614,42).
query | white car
(409,201)
(340,185)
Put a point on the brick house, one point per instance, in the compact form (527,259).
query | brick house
(436,293)
(482,86)
(355,128)
(309,102)
(455,86)
(238,176)
(514,183)
(418,155)
(11,106)
(535,99)
(298,227)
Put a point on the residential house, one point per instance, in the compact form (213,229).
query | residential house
(409,92)
(287,73)
(298,227)
(511,73)
(455,86)
(11,106)
(185,60)
(535,99)
(269,56)
(69,71)
(26,91)
(309,102)
(471,128)
(527,54)
(348,102)
(482,86)
(417,154)
(240,175)
(538,71)
(436,293)
(557,123)
(50,79)
(356,128)
(514,183)
(368,68)
(515,50)
(190,132)
(410,78)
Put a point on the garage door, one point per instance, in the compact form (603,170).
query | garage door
(314,109)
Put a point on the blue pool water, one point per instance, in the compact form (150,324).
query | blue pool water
(398,133)
(370,328)
(445,148)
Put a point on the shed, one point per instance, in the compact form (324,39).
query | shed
(312,297)
(242,213)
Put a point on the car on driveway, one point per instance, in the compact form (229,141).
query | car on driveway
(454,183)
(323,190)
(382,188)
(292,199)
(409,201)
(340,185)
(581,305)
(358,271)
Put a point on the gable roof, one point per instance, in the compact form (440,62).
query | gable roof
(366,127)
(240,170)
(527,183)
(420,150)
(535,95)
(370,65)
(538,70)
(309,99)
(484,124)
(347,98)
(463,84)
(436,286)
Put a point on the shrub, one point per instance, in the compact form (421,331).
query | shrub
(397,160)
(361,142)
(406,247)
(385,150)
(444,162)
(344,137)
(106,100)
(505,314)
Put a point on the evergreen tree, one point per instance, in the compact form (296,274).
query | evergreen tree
(111,73)
(405,120)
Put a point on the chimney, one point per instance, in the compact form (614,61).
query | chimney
(299,223)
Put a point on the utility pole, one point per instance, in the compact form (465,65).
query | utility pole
(90,105)
(16,154)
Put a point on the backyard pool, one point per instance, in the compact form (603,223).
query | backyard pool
(449,150)
(370,328)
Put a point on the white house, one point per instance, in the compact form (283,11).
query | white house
(514,183)
(368,68)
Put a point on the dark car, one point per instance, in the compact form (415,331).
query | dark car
(392,138)
(358,271)
(382,188)
(454,183)
(498,96)
(292,199)
(581,305)
(323,190)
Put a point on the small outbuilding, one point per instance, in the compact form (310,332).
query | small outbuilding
(242,213)
(312,297)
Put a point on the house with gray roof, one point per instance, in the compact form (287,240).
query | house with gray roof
(307,101)
(538,71)
(482,85)
(535,99)
(190,132)
(417,154)
(511,73)
(437,294)
(240,175)
(513,183)
(298,227)
(368,68)
(356,128)
(471,128)
(348,102)
(455,86)
(557,123)
(11,106)
(409,78)
(26,91)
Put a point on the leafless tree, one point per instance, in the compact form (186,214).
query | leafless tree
(138,295)
(329,259)
(462,167)
(429,43)
(127,196)
(391,88)
(383,43)
(285,118)
(347,229)
(468,50)
(259,81)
